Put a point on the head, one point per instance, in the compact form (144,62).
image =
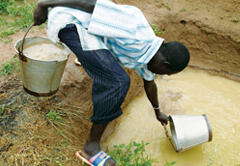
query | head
(171,58)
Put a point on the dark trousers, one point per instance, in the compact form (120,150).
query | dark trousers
(110,81)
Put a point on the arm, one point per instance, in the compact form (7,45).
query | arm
(86,5)
(151,91)
(41,10)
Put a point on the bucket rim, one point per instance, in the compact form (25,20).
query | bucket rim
(174,135)
(210,133)
(45,38)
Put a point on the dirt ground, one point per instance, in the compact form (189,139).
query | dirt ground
(210,29)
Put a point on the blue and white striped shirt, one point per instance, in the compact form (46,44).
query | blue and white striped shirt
(122,29)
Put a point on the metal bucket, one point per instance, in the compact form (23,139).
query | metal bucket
(40,78)
(189,131)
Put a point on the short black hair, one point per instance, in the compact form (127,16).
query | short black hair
(176,54)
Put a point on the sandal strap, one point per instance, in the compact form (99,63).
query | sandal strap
(99,159)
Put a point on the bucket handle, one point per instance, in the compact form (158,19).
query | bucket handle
(167,135)
(20,48)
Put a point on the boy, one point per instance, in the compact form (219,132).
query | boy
(106,37)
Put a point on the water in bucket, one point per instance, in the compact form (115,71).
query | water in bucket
(45,51)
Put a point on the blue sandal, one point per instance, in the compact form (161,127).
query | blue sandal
(99,159)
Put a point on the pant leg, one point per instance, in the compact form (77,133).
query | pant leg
(110,81)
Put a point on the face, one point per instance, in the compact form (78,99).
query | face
(161,69)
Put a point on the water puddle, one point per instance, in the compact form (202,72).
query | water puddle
(189,92)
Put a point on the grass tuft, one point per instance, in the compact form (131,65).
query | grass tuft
(235,20)
(156,30)
(9,67)
(133,154)
(182,10)
(170,163)
(3,6)
(166,5)
(53,116)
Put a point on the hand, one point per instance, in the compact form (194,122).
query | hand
(163,118)
(40,14)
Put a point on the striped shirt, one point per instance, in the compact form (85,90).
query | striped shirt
(122,29)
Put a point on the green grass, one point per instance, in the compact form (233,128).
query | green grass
(59,163)
(3,6)
(133,154)
(156,30)
(2,110)
(53,116)
(182,10)
(15,16)
(170,164)
(166,5)
(9,67)
(56,120)
(235,20)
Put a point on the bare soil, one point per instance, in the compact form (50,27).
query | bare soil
(208,28)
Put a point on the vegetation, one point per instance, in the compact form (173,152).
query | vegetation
(56,121)
(166,5)
(2,110)
(54,116)
(9,67)
(170,164)
(15,15)
(182,10)
(156,30)
(235,20)
(133,154)
(3,6)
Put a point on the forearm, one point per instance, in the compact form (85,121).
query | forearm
(86,5)
(151,92)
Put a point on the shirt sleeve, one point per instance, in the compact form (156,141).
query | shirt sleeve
(145,73)
(117,21)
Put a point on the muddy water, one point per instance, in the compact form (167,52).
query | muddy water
(189,92)
(45,51)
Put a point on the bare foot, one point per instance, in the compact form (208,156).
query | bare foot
(92,146)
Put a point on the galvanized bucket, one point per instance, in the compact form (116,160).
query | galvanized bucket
(40,78)
(188,131)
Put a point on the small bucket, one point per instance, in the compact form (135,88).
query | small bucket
(40,78)
(189,131)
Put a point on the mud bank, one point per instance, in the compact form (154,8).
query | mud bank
(210,29)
